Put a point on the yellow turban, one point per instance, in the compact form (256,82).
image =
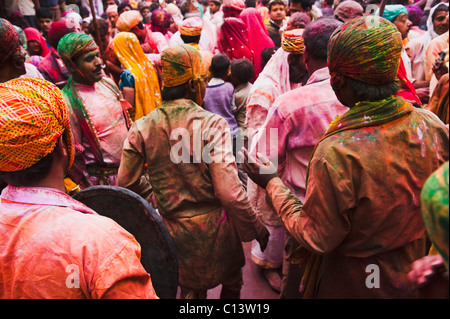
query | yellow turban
(180,64)
(191,26)
(128,20)
(292,41)
(33,115)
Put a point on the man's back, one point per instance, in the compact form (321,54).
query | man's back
(55,247)
(194,177)
(364,202)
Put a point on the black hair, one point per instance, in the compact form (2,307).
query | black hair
(441,7)
(30,175)
(84,12)
(220,65)
(103,27)
(305,3)
(275,2)
(372,92)
(190,38)
(250,3)
(266,54)
(316,37)
(173,93)
(44,13)
(242,70)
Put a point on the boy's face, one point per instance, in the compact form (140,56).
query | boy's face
(213,8)
(44,24)
(277,13)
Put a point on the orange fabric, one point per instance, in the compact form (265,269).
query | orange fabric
(33,114)
(50,242)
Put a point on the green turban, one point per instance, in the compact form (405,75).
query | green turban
(391,11)
(434,199)
(366,49)
(74,45)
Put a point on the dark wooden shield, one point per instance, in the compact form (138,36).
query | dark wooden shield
(139,218)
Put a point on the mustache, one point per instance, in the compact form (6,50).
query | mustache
(99,68)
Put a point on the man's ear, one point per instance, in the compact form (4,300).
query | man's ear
(61,146)
(192,87)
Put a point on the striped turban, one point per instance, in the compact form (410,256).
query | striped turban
(191,26)
(74,45)
(366,49)
(9,39)
(33,115)
(292,41)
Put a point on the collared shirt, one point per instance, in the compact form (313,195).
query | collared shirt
(106,115)
(300,116)
(295,123)
(362,206)
(54,247)
(198,192)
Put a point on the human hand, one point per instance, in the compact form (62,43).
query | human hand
(260,170)
(426,268)
(263,238)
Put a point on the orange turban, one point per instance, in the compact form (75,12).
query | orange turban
(191,26)
(33,115)
(128,20)
(180,64)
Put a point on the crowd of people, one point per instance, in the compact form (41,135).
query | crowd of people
(316,130)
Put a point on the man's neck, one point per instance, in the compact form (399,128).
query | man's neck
(315,65)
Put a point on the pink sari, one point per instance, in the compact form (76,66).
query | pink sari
(232,40)
(258,38)
(34,34)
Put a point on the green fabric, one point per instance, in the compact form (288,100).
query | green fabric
(363,114)
(391,11)
(435,209)
(370,113)
(74,45)
(366,49)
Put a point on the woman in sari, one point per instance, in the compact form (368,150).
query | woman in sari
(232,40)
(36,46)
(161,22)
(139,82)
(258,38)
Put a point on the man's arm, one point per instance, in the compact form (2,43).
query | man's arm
(131,172)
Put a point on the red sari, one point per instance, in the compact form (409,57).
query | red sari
(233,40)
(258,38)
(407,90)
(34,34)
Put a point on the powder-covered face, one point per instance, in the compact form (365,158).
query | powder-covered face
(89,66)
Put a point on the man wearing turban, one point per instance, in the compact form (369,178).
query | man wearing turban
(12,55)
(398,15)
(52,67)
(360,225)
(194,177)
(300,116)
(98,113)
(131,21)
(45,234)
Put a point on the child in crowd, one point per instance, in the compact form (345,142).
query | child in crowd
(241,72)
(219,96)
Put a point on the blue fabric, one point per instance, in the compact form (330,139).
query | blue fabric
(218,99)
(126,80)
(391,11)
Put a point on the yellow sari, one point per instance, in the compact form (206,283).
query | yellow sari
(147,90)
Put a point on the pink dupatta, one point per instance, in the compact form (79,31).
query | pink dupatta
(233,40)
(258,38)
